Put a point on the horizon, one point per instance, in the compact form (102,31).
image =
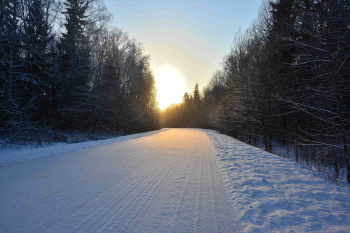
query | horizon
(189,37)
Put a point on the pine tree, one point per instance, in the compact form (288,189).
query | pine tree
(74,99)
(37,36)
(10,63)
(196,97)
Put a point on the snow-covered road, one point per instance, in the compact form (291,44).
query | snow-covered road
(177,180)
(165,182)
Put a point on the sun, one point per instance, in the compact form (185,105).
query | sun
(170,86)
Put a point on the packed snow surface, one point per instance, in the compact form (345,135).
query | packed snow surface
(165,182)
(273,194)
(180,180)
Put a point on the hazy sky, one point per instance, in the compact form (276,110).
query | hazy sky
(191,36)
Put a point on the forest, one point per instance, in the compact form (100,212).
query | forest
(63,68)
(284,86)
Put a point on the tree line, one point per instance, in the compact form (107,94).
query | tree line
(63,68)
(285,84)
(185,114)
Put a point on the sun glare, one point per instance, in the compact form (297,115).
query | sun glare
(170,86)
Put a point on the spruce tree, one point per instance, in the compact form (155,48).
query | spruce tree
(36,39)
(11,116)
(74,98)
(196,97)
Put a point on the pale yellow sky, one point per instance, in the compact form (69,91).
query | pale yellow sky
(189,36)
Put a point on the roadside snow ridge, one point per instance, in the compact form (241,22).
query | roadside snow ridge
(9,157)
(273,194)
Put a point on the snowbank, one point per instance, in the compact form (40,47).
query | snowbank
(7,157)
(273,194)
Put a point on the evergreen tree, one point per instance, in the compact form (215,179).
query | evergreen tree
(37,36)
(11,116)
(196,97)
(74,98)
(90,77)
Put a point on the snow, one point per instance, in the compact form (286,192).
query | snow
(177,180)
(168,181)
(273,194)
(25,154)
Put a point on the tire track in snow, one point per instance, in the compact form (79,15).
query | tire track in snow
(82,200)
(127,189)
(136,197)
